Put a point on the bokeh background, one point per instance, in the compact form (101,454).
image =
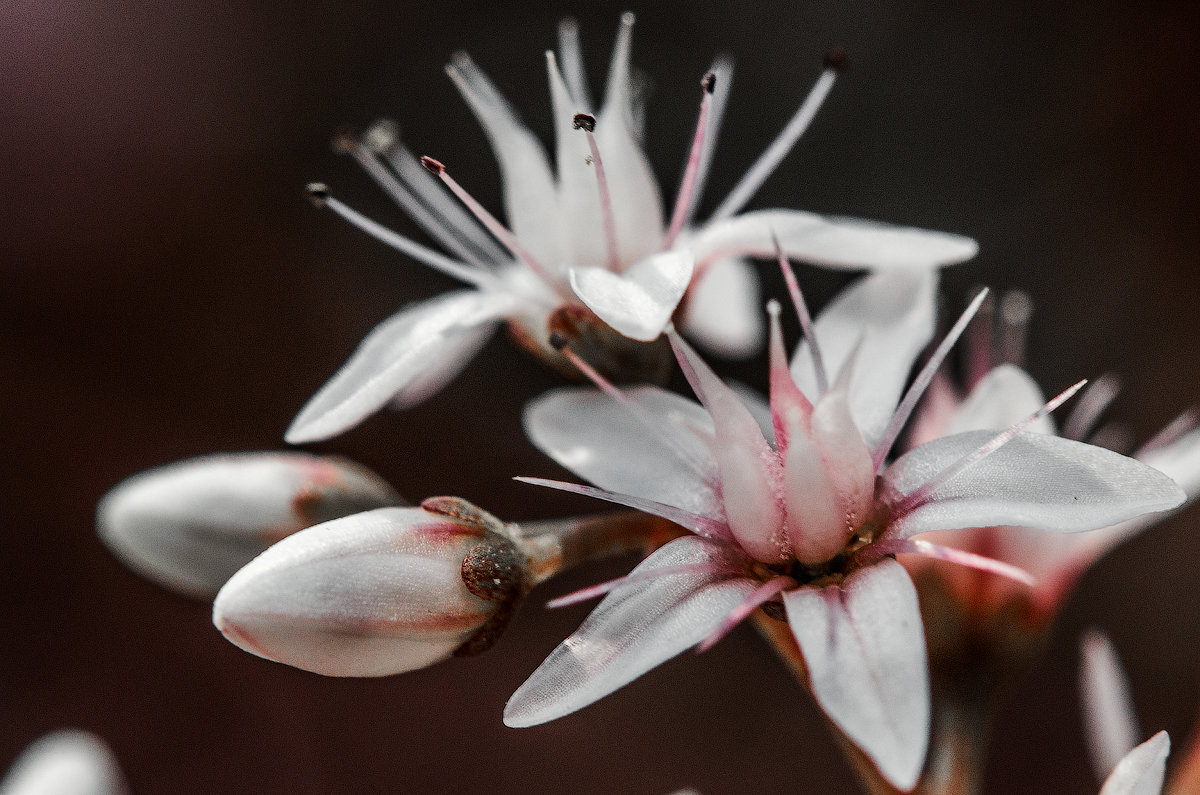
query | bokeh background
(166,290)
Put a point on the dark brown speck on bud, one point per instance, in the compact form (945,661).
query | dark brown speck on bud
(583,121)
(433,166)
(836,59)
(558,341)
(318,193)
(709,83)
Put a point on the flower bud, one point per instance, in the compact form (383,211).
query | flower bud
(65,762)
(190,525)
(378,593)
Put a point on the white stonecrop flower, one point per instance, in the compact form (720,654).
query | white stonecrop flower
(586,239)
(1111,726)
(380,592)
(191,524)
(1002,396)
(803,517)
(65,762)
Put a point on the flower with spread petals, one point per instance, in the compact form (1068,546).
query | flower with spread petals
(191,524)
(65,762)
(587,248)
(802,517)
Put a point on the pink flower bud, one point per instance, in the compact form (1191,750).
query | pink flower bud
(378,593)
(190,525)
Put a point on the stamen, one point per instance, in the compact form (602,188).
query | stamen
(1091,404)
(600,589)
(763,593)
(345,143)
(722,68)
(919,497)
(981,343)
(806,323)
(583,121)
(498,229)
(770,159)
(571,56)
(1176,429)
(916,546)
(1016,308)
(684,199)
(905,409)
(319,193)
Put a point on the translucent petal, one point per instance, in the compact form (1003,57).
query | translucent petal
(723,311)
(832,241)
(864,648)
(893,314)
(371,594)
(1142,770)
(635,628)
(1003,397)
(1109,720)
(1035,481)
(404,360)
(640,301)
(65,762)
(190,525)
(606,443)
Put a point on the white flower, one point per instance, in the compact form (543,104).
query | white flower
(811,520)
(65,762)
(191,524)
(587,237)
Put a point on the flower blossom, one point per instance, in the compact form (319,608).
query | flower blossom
(1001,395)
(587,246)
(65,762)
(802,516)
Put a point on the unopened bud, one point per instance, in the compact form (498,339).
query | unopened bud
(378,593)
(190,525)
(65,762)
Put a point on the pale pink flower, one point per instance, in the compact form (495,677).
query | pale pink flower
(803,517)
(589,238)
(65,762)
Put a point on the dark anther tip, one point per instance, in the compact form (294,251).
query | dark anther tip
(557,341)
(318,192)
(583,121)
(709,83)
(343,141)
(836,59)
(433,166)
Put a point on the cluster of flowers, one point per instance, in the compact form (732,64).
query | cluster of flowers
(790,509)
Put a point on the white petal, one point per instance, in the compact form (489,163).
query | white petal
(530,195)
(634,629)
(832,241)
(893,314)
(404,360)
(640,301)
(1142,771)
(372,594)
(190,525)
(864,647)
(1035,481)
(1179,460)
(723,313)
(606,443)
(1109,720)
(65,762)
(1003,397)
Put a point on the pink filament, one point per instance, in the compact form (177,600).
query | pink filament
(684,199)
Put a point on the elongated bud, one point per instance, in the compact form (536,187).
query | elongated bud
(190,525)
(65,762)
(378,593)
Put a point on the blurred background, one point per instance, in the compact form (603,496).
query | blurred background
(167,290)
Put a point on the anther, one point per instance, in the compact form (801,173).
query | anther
(381,137)
(709,83)
(318,193)
(434,167)
(835,59)
(558,341)
(584,121)
(343,141)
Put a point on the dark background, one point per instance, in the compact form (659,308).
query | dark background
(166,290)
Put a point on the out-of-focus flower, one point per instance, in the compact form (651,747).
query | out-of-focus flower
(191,524)
(1111,729)
(65,762)
(585,239)
(396,589)
(999,397)
(806,527)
